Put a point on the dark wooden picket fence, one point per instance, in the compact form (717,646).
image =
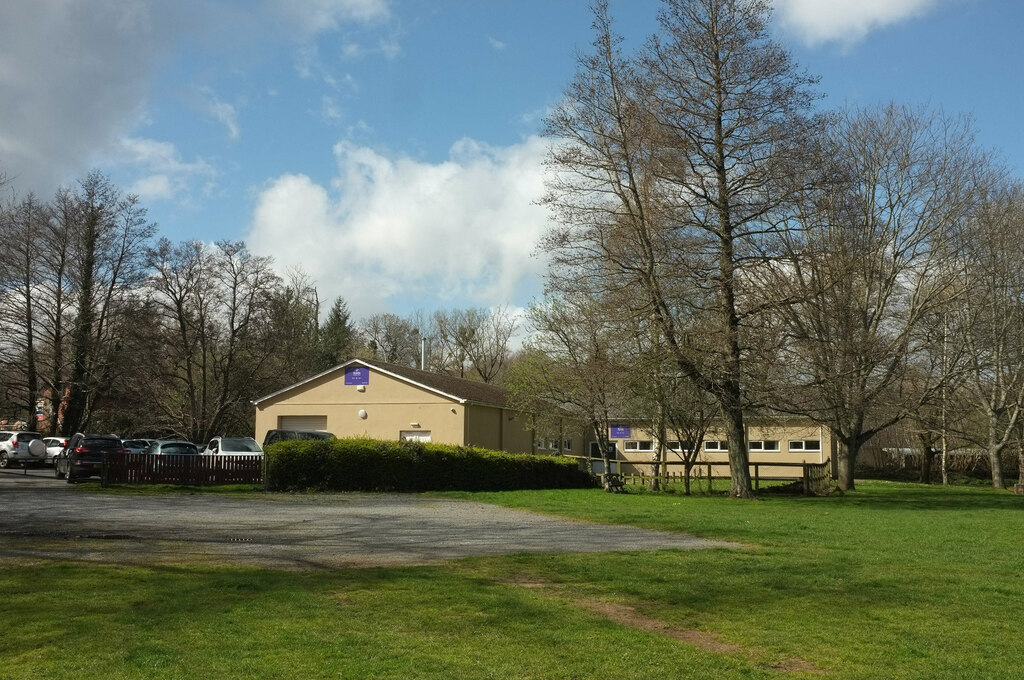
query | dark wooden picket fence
(192,470)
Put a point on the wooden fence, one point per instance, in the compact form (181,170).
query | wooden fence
(816,477)
(141,468)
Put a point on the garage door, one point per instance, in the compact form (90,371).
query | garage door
(315,423)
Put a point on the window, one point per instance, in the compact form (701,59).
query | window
(567,445)
(673,446)
(812,444)
(595,450)
(414,435)
(764,445)
(796,444)
(716,445)
(540,443)
(639,446)
(553,444)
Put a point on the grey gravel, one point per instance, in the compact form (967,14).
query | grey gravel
(42,517)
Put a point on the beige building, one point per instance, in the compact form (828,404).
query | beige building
(777,445)
(387,401)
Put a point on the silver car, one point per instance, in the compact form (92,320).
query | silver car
(14,446)
(54,445)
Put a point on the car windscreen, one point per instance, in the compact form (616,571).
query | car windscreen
(135,443)
(172,449)
(239,445)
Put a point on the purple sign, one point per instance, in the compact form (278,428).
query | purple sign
(620,432)
(357,375)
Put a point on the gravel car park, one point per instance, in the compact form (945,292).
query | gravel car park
(286,530)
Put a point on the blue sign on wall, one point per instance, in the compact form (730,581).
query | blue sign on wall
(357,375)
(620,432)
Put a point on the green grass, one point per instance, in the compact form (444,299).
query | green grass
(163,489)
(892,581)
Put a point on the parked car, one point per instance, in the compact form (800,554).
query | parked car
(83,456)
(233,445)
(138,445)
(285,435)
(172,447)
(14,446)
(54,445)
(170,450)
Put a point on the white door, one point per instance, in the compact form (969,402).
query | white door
(305,423)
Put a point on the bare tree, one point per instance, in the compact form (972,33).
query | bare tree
(472,343)
(21,223)
(989,319)
(670,167)
(569,370)
(213,307)
(867,269)
(388,337)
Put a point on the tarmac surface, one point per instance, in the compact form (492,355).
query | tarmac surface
(43,517)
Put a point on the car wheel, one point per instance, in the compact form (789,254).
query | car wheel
(4,460)
(69,477)
(56,472)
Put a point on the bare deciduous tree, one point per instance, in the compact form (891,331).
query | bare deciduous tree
(867,269)
(670,167)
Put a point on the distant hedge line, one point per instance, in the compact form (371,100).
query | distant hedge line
(376,465)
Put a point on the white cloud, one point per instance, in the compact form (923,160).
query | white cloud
(226,114)
(317,16)
(164,175)
(496,44)
(393,230)
(844,21)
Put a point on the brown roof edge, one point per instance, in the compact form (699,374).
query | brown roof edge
(457,388)
(461,388)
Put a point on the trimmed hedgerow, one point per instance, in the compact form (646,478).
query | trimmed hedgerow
(376,465)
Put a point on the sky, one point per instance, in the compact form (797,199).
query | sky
(392,149)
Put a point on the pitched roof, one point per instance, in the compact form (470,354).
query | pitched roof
(460,389)
(469,390)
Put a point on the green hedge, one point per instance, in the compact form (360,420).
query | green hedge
(375,465)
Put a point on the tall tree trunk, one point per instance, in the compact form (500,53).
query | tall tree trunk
(927,454)
(81,342)
(739,462)
(849,447)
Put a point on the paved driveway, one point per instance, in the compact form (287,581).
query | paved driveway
(44,517)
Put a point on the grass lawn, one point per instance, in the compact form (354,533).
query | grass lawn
(892,581)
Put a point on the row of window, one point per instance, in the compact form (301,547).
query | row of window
(723,445)
(766,445)
(552,445)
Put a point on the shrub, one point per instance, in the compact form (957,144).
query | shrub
(377,465)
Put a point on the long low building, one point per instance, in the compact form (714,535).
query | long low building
(369,398)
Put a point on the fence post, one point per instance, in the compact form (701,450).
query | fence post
(103,470)
(709,477)
(807,485)
(757,477)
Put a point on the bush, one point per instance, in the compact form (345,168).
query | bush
(376,465)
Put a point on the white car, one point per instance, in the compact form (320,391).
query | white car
(237,446)
(54,445)
(14,446)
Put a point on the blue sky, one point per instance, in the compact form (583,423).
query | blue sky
(390,148)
